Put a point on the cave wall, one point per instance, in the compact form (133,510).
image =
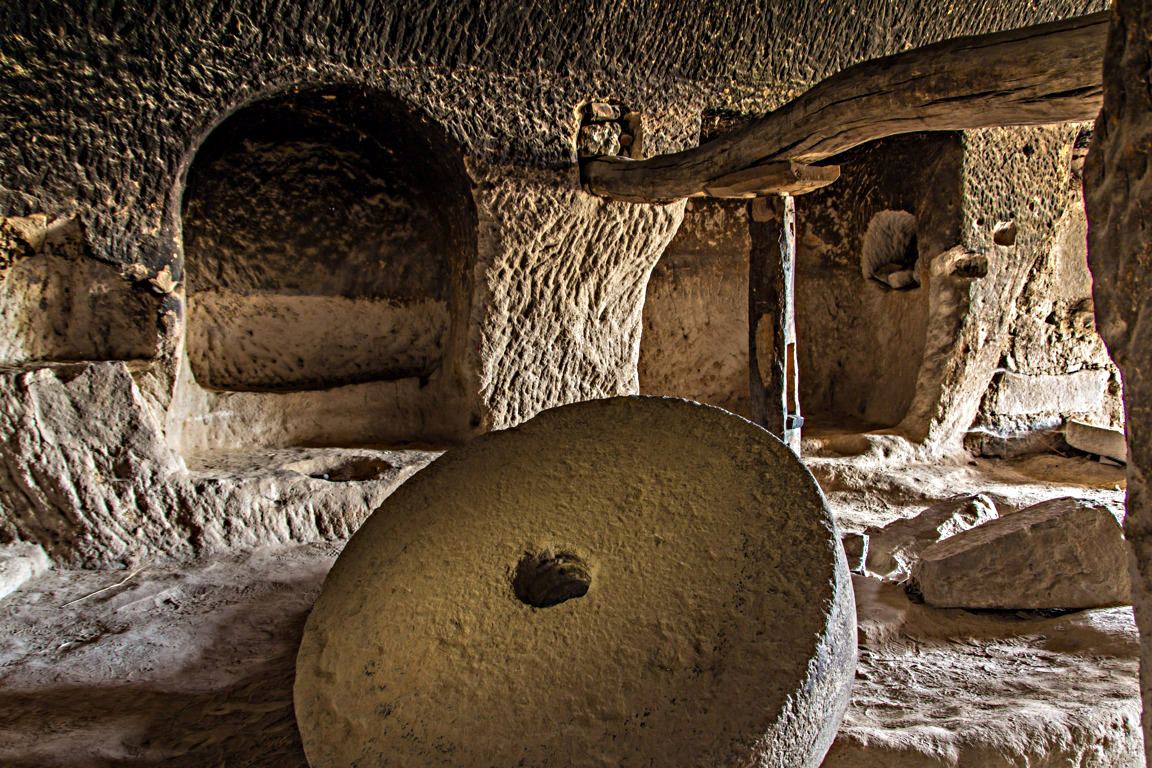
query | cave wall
(107,108)
(695,337)
(1055,366)
(860,342)
(57,303)
(994,336)
(329,235)
(1118,197)
(1011,179)
(321,210)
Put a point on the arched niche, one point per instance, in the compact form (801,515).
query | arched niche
(320,229)
(327,237)
(862,299)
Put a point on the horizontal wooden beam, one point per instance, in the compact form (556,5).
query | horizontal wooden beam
(783,177)
(1049,73)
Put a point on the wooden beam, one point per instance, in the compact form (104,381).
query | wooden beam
(1049,73)
(783,178)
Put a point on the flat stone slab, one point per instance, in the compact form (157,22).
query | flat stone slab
(624,582)
(1019,394)
(1098,440)
(1060,554)
(894,548)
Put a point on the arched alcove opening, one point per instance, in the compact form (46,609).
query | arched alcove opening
(862,299)
(694,342)
(328,234)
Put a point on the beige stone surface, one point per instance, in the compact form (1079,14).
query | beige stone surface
(1077,392)
(182,665)
(1099,440)
(57,304)
(717,628)
(855,550)
(854,332)
(894,548)
(695,339)
(396,412)
(276,342)
(20,562)
(85,473)
(191,664)
(1064,553)
(560,280)
(1118,189)
(948,688)
(1009,175)
(1054,335)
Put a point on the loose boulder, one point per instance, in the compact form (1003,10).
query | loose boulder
(1060,554)
(1101,441)
(625,582)
(894,548)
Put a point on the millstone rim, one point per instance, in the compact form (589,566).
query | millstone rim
(645,655)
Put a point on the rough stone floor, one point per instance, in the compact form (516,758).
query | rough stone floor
(192,664)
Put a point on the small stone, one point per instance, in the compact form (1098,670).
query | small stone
(599,110)
(600,139)
(163,282)
(20,562)
(893,549)
(1060,554)
(1098,440)
(903,278)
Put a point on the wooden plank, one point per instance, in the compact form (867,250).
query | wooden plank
(785,178)
(1036,75)
(771,317)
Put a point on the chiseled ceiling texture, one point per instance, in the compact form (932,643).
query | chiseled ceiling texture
(106,102)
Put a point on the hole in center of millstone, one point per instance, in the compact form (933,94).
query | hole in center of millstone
(546,578)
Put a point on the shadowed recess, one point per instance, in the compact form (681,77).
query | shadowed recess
(321,232)
(546,579)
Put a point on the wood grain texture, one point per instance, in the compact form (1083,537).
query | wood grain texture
(785,178)
(1031,76)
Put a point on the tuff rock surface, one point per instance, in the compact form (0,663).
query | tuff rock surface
(893,549)
(1101,441)
(85,473)
(19,563)
(1060,554)
(1118,198)
(948,688)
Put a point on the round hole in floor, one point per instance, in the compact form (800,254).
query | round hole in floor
(545,578)
(356,469)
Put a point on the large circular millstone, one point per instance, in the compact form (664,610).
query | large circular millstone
(626,582)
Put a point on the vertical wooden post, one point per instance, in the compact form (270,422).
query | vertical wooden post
(772,318)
